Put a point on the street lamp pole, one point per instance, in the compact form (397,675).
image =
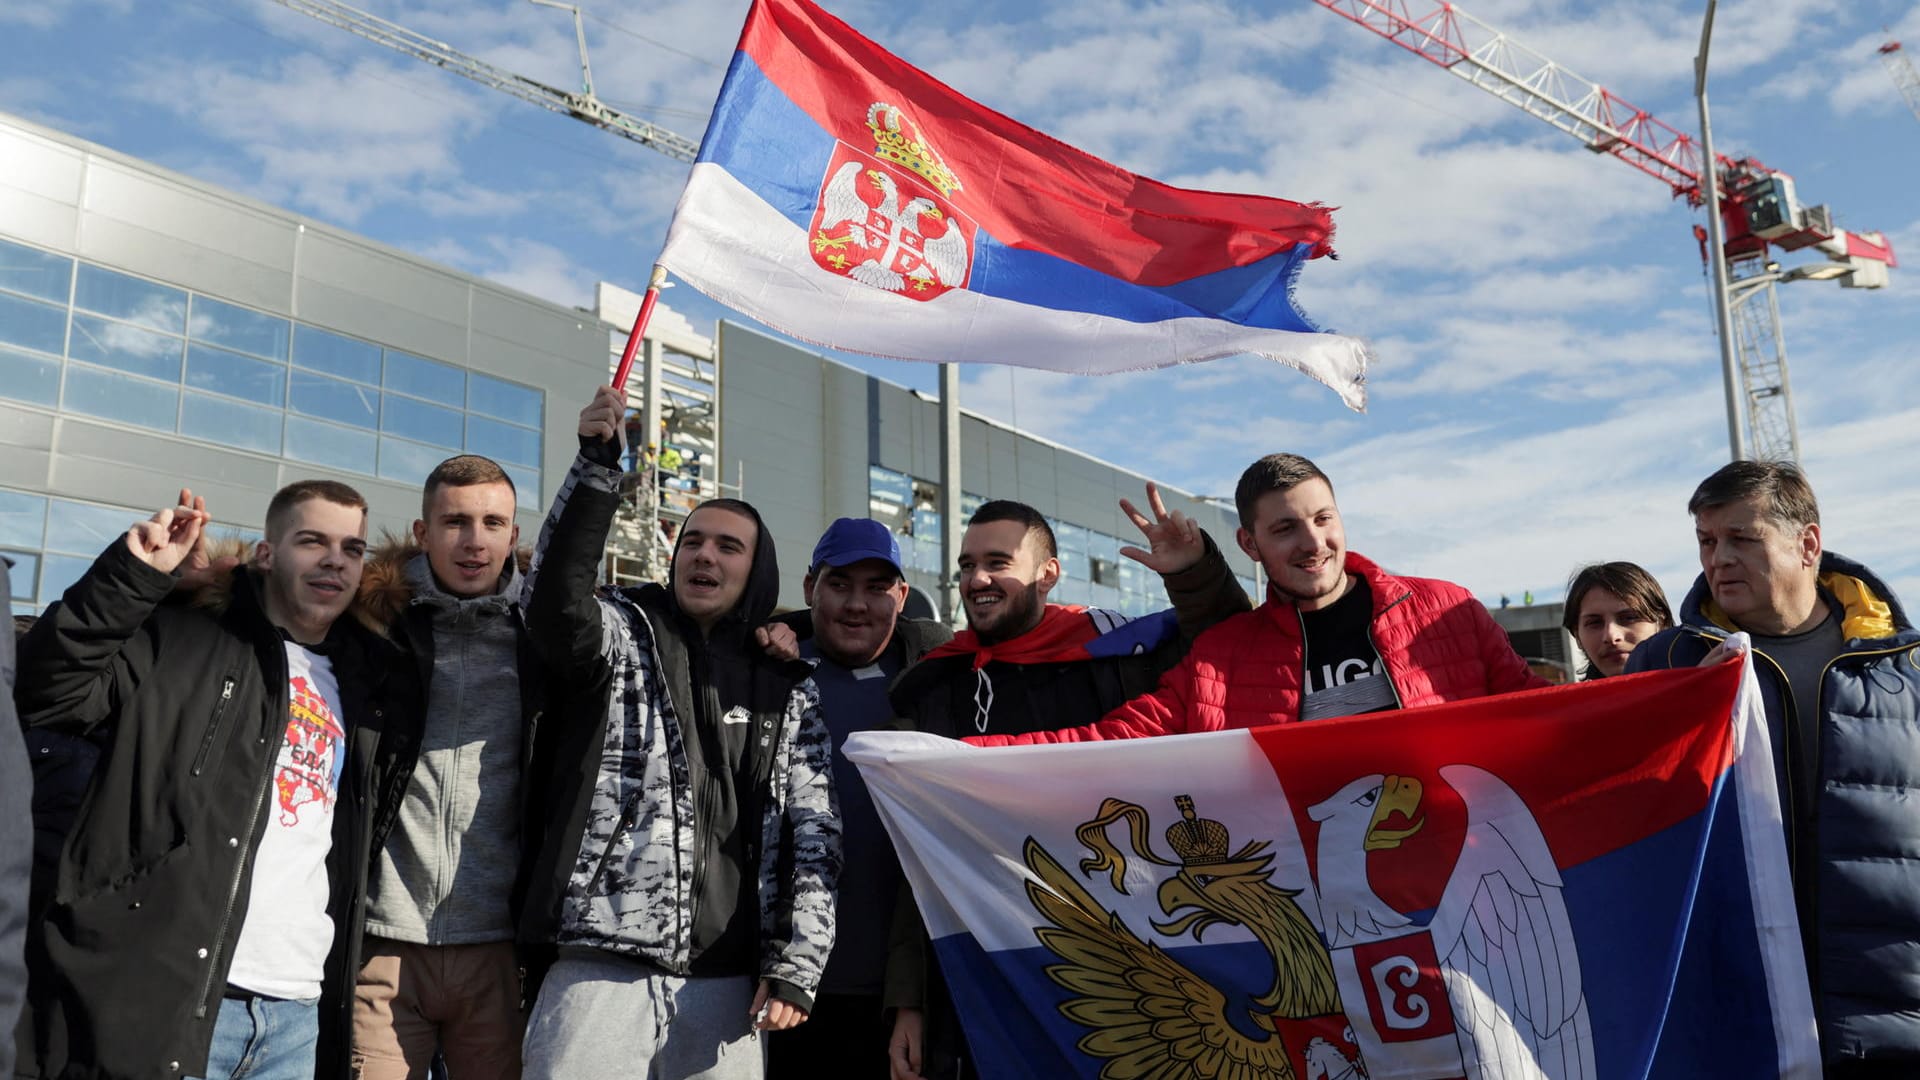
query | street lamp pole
(1717,254)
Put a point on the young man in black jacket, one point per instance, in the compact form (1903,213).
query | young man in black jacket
(204,917)
(857,640)
(691,847)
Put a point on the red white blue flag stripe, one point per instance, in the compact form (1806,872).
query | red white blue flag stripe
(849,199)
(1585,881)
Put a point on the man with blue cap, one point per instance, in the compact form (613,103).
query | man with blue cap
(857,641)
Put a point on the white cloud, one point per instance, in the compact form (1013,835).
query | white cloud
(333,141)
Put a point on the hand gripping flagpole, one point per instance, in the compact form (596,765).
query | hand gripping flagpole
(655,282)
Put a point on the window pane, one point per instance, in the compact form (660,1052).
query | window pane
(60,572)
(325,444)
(118,397)
(526,486)
(131,299)
(336,399)
(1102,546)
(419,420)
(969,502)
(86,529)
(1070,538)
(33,324)
(218,420)
(23,519)
(408,462)
(336,355)
(20,579)
(34,272)
(508,401)
(424,378)
(26,376)
(503,442)
(238,328)
(128,348)
(214,369)
(889,486)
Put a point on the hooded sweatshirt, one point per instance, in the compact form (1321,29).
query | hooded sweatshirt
(446,874)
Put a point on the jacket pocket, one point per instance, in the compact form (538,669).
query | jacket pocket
(132,883)
(213,727)
(629,815)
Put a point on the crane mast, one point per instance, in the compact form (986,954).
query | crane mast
(1759,209)
(583,105)
(1904,76)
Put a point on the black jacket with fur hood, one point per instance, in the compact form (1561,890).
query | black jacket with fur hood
(129,958)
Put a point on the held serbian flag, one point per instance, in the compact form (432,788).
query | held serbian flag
(1586,881)
(849,199)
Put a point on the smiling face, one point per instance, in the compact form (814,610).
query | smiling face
(468,536)
(1763,573)
(1004,579)
(1609,628)
(712,563)
(1298,539)
(311,566)
(854,610)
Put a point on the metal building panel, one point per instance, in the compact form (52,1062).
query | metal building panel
(39,189)
(430,297)
(140,250)
(366,315)
(115,465)
(212,224)
(534,325)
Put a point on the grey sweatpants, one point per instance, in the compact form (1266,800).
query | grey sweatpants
(601,1015)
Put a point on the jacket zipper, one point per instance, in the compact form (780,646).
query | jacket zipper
(629,810)
(1385,672)
(1813,824)
(703,812)
(240,868)
(213,728)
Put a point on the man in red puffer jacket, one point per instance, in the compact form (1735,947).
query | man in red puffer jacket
(1338,635)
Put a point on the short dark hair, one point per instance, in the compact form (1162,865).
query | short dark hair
(462,470)
(1007,510)
(736,506)
(1633,585)
(300,491)
(1275,472)
(1780,486)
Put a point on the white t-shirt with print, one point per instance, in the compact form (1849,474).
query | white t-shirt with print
(282,951)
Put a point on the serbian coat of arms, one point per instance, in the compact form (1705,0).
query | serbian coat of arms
(884,218)
(1488,986)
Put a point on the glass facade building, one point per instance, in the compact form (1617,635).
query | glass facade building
(157,333)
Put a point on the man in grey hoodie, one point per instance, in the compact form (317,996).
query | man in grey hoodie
(440,971)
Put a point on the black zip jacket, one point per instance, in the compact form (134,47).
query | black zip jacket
(128,961)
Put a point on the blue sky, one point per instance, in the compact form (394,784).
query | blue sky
(1547,389)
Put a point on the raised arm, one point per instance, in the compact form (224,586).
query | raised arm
(1165,711)
(1197,577)
(93,646)
(566,620)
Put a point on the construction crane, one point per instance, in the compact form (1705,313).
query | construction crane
(1904,77)
(584,105)
(1759,207)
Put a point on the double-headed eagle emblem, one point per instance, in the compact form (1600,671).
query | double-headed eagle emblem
(884,219)
(1488,986)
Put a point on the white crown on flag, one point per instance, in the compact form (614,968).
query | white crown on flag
(898,139)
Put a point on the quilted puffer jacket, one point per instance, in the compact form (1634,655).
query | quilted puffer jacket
(1438,644)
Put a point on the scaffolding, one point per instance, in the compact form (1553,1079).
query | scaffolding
(672,434)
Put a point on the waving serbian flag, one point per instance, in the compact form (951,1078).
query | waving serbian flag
(1586,881)
(849,199)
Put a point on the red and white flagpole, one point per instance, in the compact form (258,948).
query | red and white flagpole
(655,282)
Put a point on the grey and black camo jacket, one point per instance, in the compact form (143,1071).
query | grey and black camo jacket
(631,889)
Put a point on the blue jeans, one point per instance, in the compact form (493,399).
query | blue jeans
(264,1040)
